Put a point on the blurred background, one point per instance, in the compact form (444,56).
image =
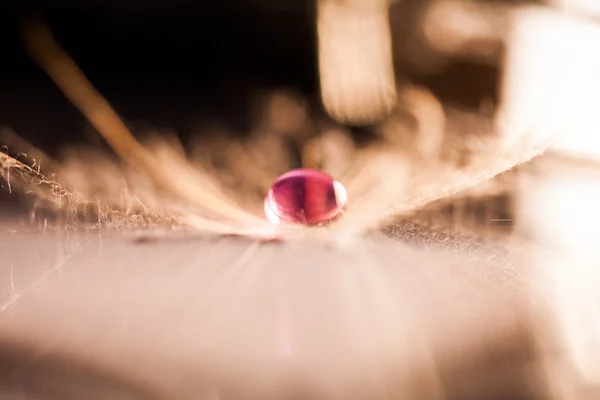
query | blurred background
(172,64)
(178,64)
(211,69)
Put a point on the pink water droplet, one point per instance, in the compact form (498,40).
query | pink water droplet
(305,196)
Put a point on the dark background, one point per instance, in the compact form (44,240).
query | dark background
(174,64)
(180,64)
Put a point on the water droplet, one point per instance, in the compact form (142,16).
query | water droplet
(305,196)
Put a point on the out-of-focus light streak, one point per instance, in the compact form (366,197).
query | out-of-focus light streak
(588,7)
(551,86)
(551,83)
(561,210)
(355,61)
